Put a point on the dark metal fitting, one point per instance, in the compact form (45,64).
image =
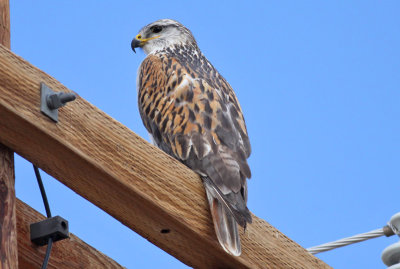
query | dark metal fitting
(59,99)
(55,228)
(51,101)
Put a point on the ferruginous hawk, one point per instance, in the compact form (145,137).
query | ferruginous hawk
(192,113)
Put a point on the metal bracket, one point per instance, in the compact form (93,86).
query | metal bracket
(55,227)
(51,101)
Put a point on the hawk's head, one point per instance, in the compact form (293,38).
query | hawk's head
(162,34)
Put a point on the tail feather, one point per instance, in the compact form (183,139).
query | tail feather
(224,223)
(237,208)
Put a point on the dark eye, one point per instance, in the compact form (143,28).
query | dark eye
(156,29)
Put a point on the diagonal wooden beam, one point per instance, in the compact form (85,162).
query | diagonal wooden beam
(65,254)
(133,181)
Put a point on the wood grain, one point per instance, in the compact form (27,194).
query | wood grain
(5,23)
(66,254)
(8,233)
(133,181)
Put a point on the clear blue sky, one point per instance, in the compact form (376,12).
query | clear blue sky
(319,84)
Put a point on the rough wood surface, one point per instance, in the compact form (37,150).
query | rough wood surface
(66,254)
(133,181)
(5,23)
(8,234)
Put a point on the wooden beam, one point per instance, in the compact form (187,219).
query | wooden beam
(8,233)
(5,23)
(133,181)
(65,254)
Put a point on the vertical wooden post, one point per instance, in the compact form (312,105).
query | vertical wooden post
(5,23)
(8,232)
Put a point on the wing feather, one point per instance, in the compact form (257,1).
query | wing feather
(193,114)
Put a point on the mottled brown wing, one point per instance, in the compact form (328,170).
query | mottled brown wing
(193,114)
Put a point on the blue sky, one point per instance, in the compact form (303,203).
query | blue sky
(318,82)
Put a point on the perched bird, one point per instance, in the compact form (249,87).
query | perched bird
(192,113)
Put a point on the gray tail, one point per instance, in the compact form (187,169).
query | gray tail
(224,221)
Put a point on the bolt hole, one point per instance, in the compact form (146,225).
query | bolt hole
(64,225)
(165,231)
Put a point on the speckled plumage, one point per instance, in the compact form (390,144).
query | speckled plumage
(193,114)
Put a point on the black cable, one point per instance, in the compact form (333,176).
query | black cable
(47,256)
(42,191)
(48,213)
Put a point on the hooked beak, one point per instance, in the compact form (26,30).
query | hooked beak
(135,44)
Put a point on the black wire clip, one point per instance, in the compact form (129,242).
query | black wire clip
(51,101)
(55,228)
